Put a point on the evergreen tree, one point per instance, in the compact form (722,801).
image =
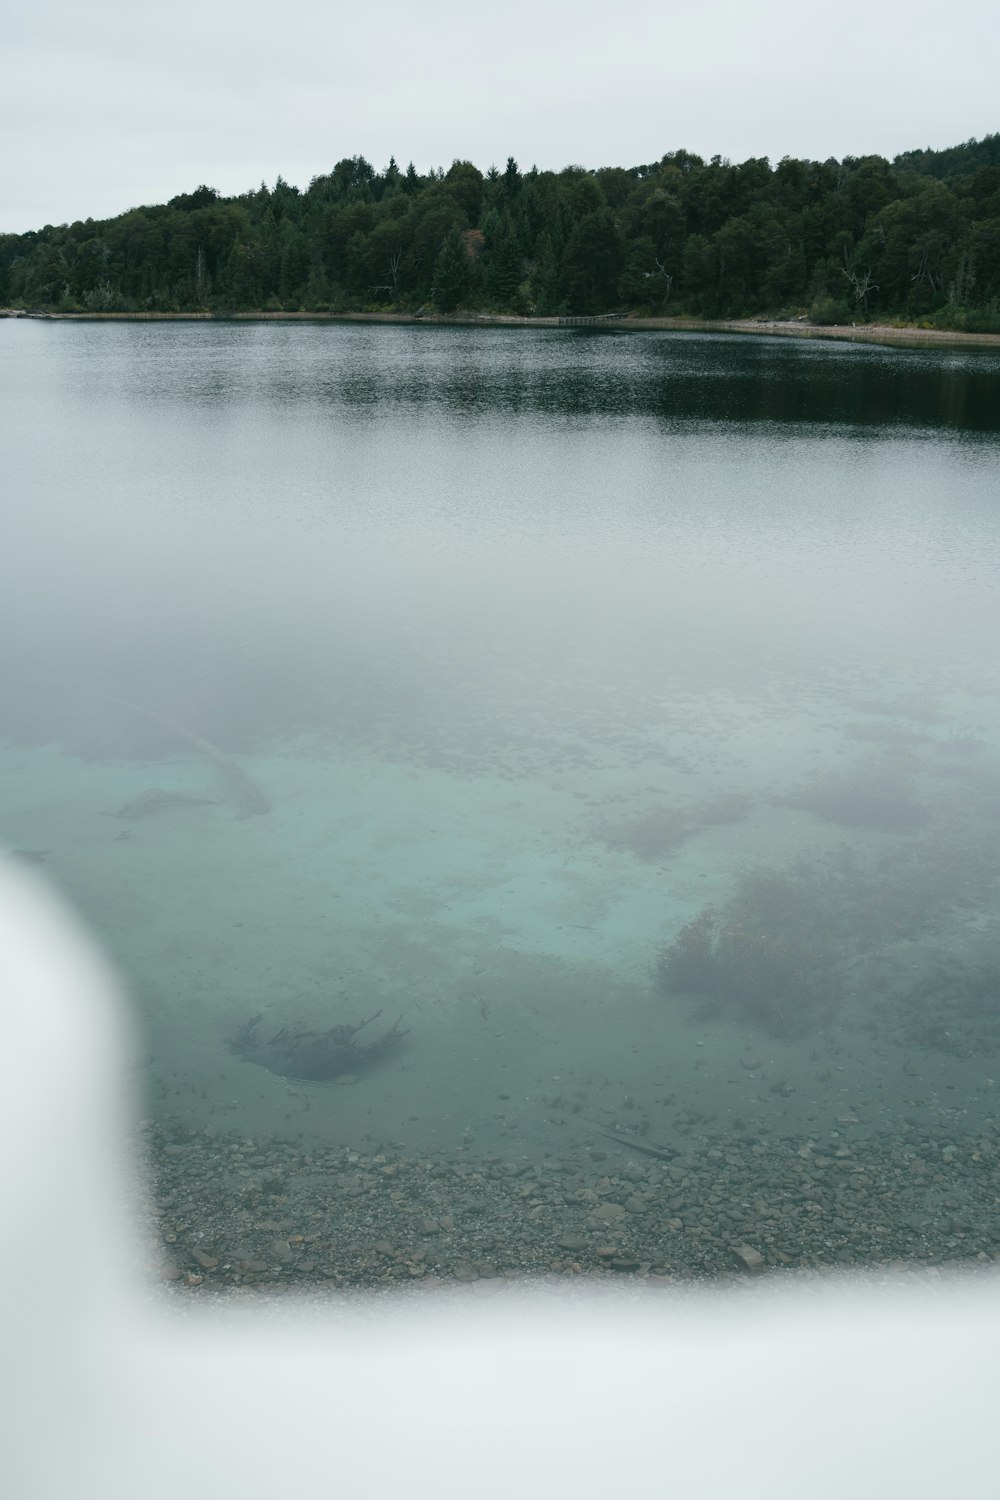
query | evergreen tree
(917,237)
(451,273)
(592,263)
(503,273)
(545,281)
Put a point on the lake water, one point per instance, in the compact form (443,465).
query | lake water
(621,712)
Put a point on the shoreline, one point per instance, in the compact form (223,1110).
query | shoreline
(865,333)
(228,1213)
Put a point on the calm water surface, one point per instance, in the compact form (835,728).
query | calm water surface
(626,708)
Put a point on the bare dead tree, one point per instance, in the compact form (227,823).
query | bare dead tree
(861,284)
(395,261)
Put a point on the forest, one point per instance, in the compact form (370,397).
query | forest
(915,239)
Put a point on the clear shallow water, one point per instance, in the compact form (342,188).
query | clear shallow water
(539,643)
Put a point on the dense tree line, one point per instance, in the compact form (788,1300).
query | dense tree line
(915,238)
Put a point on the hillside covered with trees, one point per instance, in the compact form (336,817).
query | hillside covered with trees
(915,239)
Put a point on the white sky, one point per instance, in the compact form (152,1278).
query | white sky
(121,102)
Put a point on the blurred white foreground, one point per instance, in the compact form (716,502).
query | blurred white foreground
(803,1390)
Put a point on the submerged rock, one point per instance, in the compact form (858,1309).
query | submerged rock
(314,1056)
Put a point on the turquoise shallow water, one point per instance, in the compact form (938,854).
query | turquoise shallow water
(539,644)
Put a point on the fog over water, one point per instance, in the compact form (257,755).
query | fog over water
(540,646)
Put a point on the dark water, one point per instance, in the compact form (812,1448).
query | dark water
(626,708)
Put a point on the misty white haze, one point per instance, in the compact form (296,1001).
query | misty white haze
(109,106)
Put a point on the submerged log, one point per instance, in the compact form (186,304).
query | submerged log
(249,798)
(159,799)
(647,1148)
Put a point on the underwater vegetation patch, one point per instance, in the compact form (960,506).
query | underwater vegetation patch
(652,836)
(960,744)
(873,794)
(758,967)
(792,944)
(917,708)
(890,736)
(658,832)
(953,1008)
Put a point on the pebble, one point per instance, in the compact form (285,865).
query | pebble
(749,1258)
(918,1195)
(609,1212)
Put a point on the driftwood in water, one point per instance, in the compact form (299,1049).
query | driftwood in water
(314,1055)
(159,799)
(662,1153)
(249,798)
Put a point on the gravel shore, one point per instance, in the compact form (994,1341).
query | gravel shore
(232,1212)
(866,333)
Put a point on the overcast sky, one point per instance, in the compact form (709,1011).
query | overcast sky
(121,102)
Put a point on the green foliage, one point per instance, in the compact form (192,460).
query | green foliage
(465,183)
(644,281)
(503,260)
(593,262)
(969,320)
(917,238)
(451,273)
(202,197)
(830,310)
